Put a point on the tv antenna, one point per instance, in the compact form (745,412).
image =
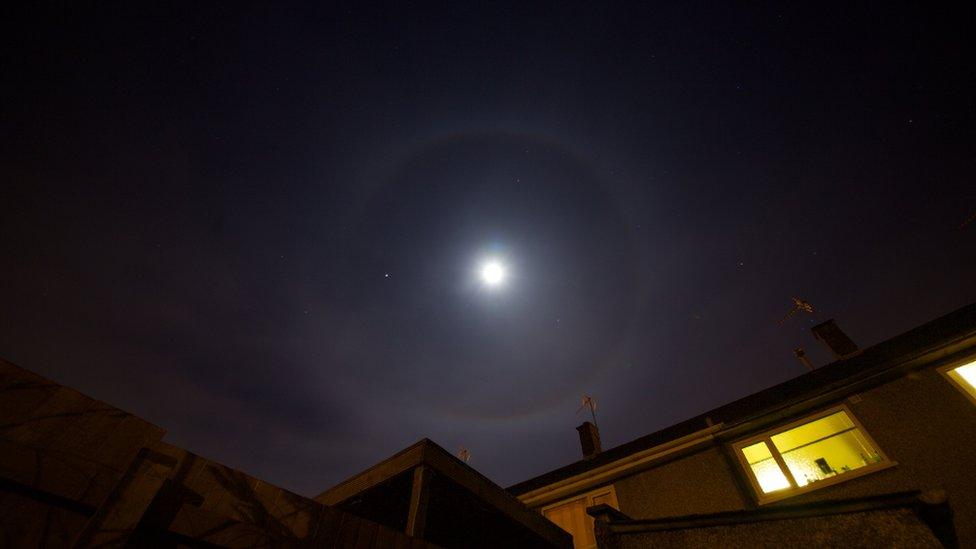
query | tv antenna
(799,305)
(588,402)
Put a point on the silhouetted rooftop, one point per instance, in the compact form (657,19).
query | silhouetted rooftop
(863,365)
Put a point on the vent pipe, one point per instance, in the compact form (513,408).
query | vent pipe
(801,355)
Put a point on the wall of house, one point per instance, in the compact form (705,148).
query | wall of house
(920,421)
(928,427)
(699,483)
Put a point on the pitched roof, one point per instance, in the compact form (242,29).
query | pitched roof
(459,500)
(956,325)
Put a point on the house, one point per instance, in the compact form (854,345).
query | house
(876,448)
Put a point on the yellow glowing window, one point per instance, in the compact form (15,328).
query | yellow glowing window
(964,377)
(570,515)
(764,467)
(814,452)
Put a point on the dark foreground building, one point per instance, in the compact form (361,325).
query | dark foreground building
(76,472)
(877,448)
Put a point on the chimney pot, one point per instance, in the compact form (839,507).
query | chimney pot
(589,439)
(801,355)
(834,338)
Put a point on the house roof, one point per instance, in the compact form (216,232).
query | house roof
(878,359)
(460,500)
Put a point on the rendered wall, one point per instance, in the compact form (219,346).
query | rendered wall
(920,421)
(928,427)
(698,483)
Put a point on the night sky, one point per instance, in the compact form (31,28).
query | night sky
(260,227)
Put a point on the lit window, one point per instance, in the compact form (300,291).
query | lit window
(808,454)
(570,515)
(964,377)
(767,472)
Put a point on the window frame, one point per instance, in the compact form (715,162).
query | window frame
(944,370)
(795,489)
(589,496)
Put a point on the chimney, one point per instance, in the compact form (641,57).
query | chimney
(834,338)
(801,355)
(589,439)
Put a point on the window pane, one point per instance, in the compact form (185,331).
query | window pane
(824,448)
(815,430)
(966,376)
(764,467)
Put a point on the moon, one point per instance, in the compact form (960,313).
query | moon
(493,273)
